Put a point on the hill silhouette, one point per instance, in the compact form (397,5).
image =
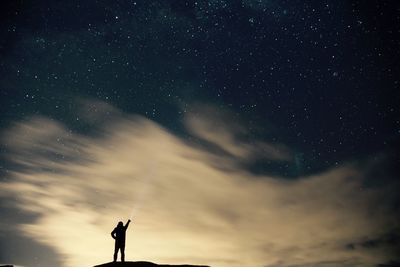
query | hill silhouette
(143,264)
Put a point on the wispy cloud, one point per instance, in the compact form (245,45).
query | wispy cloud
(186,209)
(225,132)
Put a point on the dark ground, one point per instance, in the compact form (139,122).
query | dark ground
(143,264)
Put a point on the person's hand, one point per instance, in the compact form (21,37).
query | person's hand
(129,220)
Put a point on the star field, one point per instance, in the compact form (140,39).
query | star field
(321,72)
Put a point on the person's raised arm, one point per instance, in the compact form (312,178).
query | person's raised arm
(127,224)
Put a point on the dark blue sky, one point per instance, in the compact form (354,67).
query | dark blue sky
(324,73)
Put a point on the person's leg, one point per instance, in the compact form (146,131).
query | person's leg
(115,251)
(122,252)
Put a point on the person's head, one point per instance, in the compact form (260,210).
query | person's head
(120,224)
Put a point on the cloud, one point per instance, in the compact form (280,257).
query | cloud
(186,208)
(227,133)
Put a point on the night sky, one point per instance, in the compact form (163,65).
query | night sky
(236,133)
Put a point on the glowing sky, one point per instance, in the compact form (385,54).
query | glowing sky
(234,133)
(189,203)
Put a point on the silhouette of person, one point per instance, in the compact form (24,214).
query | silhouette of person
(119,235)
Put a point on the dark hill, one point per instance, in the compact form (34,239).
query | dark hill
(143,264)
